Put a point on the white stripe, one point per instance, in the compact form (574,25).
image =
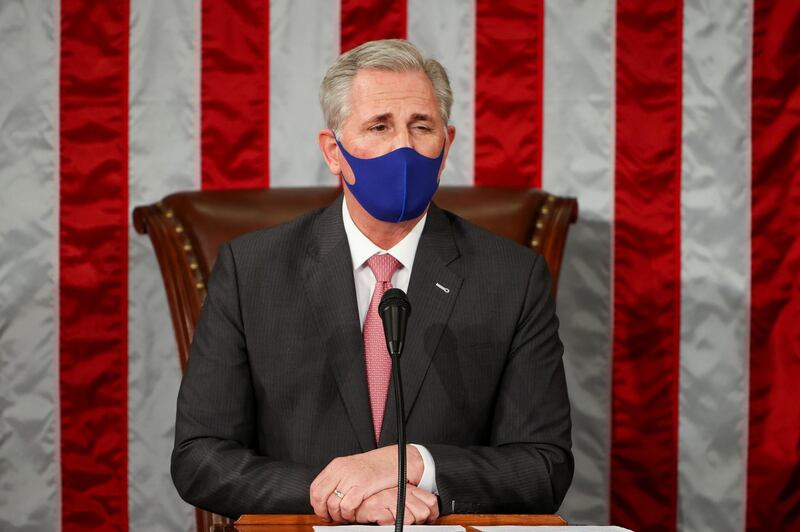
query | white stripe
(578,153)
(59,506)
(748,149)
(57,262)
(301,48)
(29,457)
(445,31)
(163,126)
(715,265)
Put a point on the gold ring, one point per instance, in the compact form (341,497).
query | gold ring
(338,494)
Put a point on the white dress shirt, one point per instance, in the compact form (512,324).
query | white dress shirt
(361,249)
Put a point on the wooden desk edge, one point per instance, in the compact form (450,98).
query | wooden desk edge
(453,519)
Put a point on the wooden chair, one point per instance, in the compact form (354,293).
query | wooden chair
(187,229)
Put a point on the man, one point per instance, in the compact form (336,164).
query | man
(283,407)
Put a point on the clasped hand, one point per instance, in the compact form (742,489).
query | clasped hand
(362,488)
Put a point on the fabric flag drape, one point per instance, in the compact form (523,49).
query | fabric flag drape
(676,124)
(646,263)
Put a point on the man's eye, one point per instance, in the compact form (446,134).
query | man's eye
(378,128)
(422,128)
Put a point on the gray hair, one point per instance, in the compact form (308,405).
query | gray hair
(394,55)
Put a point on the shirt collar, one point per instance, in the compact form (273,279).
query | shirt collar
(362,248)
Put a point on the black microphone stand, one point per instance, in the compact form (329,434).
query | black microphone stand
(394,310)
(401,443)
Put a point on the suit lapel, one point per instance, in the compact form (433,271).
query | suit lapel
(331,292)
(432,292)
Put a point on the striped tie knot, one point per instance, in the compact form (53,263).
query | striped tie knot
(383,266)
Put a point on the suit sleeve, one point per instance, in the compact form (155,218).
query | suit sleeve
(215,465)
(528,466)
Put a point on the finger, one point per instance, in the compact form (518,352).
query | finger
(364,514)
(320,478)
(332,505)
(431,500)
(389,498)
(434,508)
(425,496)
(386,516)
(323,514)
(371,511)
(434,515)
(320,490)
(378,508)
(313,494)
(353,498)
(327,479)
(408,516)
(320,509)
(418,509)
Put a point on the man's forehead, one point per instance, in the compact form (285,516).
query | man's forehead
(379,93)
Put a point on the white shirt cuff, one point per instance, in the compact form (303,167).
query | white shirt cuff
(428,480)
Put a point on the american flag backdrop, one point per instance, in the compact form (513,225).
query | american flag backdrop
(676,124)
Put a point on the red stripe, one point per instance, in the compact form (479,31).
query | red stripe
(93,250)
(508,93)
(235,94)
(644,432)
(773,465)
(369,20)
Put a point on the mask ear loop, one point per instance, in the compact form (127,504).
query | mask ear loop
(338,142)
(441,152)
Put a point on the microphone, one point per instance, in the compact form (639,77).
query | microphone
(394,310)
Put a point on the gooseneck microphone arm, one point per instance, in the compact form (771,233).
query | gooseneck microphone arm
(401,446)
(394,310)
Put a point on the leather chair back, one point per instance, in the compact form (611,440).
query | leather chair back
(188,228)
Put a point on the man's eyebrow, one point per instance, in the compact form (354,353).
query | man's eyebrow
(420,117)
(387,117)
(384,117)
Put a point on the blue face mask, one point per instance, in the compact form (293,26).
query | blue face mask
(397,186)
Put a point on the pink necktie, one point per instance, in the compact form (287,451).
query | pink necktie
(379,364)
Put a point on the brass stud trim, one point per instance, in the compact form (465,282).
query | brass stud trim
(186,245)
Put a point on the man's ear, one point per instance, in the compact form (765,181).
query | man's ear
(450,132)
(330,151)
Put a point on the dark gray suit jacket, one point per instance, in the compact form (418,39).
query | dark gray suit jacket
(275,386)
